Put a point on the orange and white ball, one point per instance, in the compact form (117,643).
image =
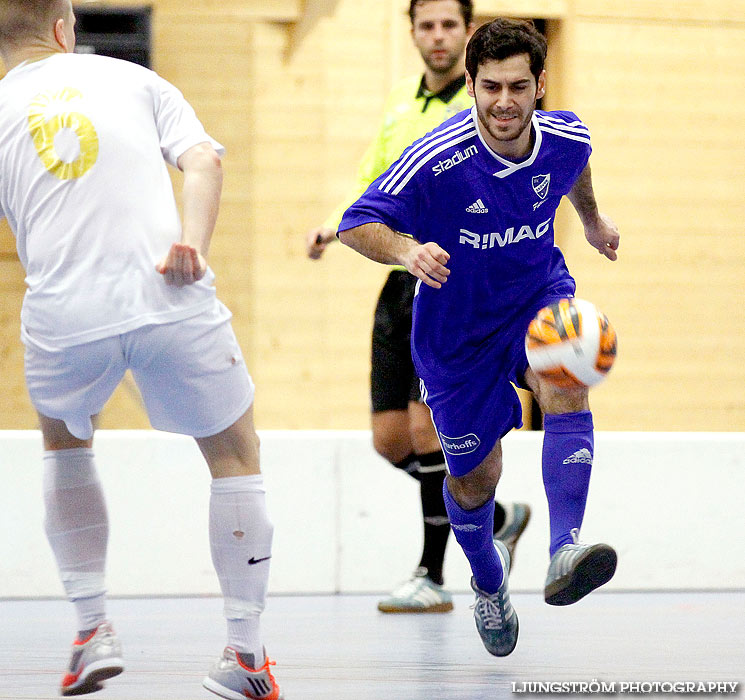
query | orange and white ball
(571,344)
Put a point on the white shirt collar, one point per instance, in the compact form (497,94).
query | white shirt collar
(509,166)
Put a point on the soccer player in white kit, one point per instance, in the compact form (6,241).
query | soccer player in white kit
(115,282)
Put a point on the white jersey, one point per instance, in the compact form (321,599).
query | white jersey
(85,188)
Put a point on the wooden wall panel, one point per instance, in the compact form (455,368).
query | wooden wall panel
(543,9)
(207,10)
(664,106)
(669,12)
(315,110)
(15,409)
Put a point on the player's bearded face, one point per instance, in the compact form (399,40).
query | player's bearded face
(506,93)
(440,34)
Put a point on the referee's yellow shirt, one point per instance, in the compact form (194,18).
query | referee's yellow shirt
(410,112)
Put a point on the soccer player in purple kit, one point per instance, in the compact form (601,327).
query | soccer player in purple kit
(469,210)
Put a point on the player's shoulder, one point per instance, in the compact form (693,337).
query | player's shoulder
(447,145)
(71,70)
(102,64)
(463,118)
(130,77)
(562,123)
(446,136)
(559,116)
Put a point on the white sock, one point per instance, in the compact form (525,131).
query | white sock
(77,528)
(241,534)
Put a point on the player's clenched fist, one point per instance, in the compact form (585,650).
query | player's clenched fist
(427,262)
(604,236)
(183,265)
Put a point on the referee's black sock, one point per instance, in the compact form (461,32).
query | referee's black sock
(410,465)
(436,522)
(499,516)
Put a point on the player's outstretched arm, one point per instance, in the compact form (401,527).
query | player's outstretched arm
(426,261)
(600,230)
(185,263)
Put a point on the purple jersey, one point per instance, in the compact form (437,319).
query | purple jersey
(493,216)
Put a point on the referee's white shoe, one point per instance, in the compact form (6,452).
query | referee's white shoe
(420,594)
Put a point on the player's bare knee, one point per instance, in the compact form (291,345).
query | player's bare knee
(56,436)
(555,400)
(390,447)
(477,487)
(424,437)
(54,441)
(470,492)
(558,401)
(247,451)
(232,452)
(390,435)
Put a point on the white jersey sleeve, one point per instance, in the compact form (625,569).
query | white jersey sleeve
(178,126)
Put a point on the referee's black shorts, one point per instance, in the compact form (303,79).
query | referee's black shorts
(393,381)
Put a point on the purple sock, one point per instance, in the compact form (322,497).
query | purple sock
(473,530)
(568,448)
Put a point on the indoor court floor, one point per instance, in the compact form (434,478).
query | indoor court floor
(341,648)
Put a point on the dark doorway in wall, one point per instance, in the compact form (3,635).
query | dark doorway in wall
(119,32)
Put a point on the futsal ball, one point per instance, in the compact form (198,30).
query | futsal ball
(571,344)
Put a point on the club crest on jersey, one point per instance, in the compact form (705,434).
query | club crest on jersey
(540,187)
(462,445)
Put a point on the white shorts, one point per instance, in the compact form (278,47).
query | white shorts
(191,375)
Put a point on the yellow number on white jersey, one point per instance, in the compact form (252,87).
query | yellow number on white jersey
(48,118)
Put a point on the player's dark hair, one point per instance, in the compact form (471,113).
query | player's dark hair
(466,8)
(21,20)
(503,38)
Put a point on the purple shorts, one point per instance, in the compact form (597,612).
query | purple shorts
(479,409)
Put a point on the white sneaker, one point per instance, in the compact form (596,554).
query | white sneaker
(516,518)
(496,619)
(93,660)
(578,569)
(235,678)
(420,594)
